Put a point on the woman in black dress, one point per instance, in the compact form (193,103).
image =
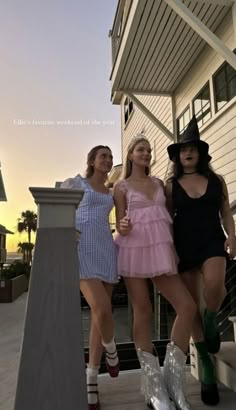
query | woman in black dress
(198,200)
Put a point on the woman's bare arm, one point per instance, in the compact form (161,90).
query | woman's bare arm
(226,214)
(123,224)
(168,194)
(228,221)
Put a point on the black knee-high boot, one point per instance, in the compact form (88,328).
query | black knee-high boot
(209,390)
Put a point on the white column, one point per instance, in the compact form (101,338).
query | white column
(52,369)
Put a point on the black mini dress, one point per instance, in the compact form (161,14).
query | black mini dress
(198,234)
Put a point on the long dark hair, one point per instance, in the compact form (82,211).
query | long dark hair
(91,158)
(203,168)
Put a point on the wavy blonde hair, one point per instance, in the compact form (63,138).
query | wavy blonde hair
(127,168)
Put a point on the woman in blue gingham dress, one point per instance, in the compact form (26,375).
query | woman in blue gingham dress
(97,264)
(96,249)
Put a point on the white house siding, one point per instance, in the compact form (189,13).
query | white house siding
(220,130)
(161,107)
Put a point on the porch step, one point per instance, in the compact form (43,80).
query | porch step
(225,361)
(233,320)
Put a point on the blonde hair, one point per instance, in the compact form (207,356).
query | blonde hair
(127,168)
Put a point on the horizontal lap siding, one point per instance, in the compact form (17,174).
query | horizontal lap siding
(220,131)
(222,140)
(205,65)
(161,107)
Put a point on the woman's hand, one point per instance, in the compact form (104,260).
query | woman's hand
(125,226)
(230,245)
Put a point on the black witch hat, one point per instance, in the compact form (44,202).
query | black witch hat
(190,136)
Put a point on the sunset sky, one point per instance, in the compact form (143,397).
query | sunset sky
(55,66)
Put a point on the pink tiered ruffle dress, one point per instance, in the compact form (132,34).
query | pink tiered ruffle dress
(148,250)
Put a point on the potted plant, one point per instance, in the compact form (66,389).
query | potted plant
(14,281)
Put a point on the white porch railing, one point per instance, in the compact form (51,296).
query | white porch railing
(122,13)
(52,369)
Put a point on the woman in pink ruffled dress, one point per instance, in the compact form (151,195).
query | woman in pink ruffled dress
(145,250)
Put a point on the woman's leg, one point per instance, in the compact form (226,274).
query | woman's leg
(142,311)
(100,305)
(152,385)
(214,270)
(192,282)
(99,300)
(174,290)
(98,296)
(209,391)
(95,341)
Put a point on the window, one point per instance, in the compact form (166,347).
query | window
(182,122)
(224,85)
(128,109)
(202,105)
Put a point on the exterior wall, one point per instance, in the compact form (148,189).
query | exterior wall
(3,251)
(161,107)
(220,131)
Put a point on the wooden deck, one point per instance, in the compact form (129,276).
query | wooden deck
(115,394)
(124,394)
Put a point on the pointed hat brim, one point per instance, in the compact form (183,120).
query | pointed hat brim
(174,149)
(190,136)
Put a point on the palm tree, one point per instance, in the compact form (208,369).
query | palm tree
(27,223)
(26,249)
(21,249)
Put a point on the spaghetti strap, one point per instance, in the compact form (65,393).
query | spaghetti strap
(147,251)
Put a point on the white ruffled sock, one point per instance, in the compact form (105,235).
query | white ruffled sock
(92,383)
(111,353)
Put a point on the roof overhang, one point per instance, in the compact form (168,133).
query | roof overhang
(4,230)
(3,196)
(158,47)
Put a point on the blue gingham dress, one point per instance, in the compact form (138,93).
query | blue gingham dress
(96,248)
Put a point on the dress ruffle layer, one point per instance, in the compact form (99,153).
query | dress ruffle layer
(145,235)
(147,251)
(149,214)
(147,262)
